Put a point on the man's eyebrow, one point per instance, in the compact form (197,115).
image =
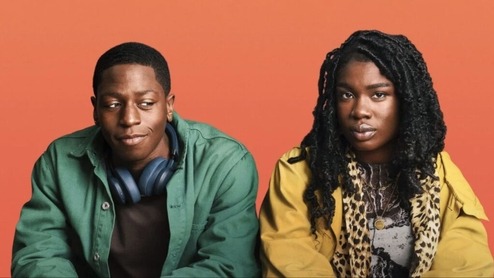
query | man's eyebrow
(145,92)
(115,94)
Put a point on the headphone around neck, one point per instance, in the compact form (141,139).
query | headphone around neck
(153,179)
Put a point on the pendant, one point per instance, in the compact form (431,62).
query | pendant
(379,223)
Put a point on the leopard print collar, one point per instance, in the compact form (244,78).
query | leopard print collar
(352,257)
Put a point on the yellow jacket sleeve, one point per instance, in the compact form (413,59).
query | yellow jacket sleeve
(462,250)
(288,248)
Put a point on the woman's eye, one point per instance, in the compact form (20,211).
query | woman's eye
(379,95)
(346,95)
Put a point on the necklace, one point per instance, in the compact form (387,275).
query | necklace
(379,222)
(382,188)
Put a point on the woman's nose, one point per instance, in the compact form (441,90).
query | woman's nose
(361,109)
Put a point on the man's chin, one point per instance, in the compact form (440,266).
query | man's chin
(128,157)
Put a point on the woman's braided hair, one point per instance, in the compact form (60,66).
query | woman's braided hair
(421,130)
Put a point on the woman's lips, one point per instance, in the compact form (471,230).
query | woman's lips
(363,136)
(363,132)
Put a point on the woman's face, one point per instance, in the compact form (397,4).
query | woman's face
(368,114)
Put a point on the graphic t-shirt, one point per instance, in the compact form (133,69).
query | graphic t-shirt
(389,224)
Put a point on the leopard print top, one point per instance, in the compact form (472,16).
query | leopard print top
(352,257)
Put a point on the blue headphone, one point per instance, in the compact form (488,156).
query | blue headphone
(153,178)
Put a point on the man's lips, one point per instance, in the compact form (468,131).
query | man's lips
(131,140)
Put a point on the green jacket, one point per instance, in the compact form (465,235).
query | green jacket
(211,208)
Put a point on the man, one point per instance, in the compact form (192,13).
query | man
(143,193)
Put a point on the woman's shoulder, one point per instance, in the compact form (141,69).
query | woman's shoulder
(454,183)
(289,164)
(293,152)
(290,179)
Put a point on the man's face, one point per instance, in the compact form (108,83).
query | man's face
(132,111)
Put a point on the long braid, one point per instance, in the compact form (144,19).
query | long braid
(421,131)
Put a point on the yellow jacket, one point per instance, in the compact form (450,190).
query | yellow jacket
(289,249)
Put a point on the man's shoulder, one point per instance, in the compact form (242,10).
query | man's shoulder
(75,140)
(202,133)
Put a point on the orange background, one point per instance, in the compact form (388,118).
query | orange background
(248,67)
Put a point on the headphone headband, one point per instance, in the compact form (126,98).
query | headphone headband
(172,135)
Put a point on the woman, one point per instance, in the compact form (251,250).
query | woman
(370,191)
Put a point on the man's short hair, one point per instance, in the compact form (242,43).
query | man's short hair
(133,53)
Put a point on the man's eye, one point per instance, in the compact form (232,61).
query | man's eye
(113,105)
(147,104)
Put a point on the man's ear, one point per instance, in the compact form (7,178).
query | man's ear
(95,116)
(170,102)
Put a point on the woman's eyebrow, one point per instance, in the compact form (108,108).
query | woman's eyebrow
(378,85)
(369,87)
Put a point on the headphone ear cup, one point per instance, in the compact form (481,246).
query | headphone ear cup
(153,178)
(149,174)
(129,186)
(116,189)
(163,177)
